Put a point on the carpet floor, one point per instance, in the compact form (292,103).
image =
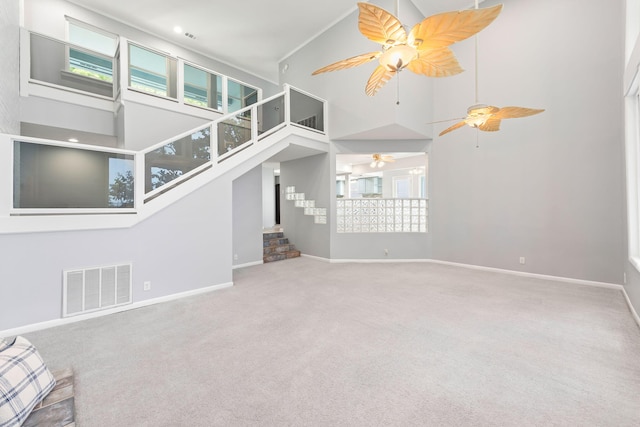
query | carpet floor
(303,342)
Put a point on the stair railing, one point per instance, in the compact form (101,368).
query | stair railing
(99,180)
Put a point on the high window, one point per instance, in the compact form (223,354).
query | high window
(152,72)
(96,59)
(202,88)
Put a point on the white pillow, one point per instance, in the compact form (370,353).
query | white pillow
(24,381)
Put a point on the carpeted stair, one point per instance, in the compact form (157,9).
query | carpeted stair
(276,247)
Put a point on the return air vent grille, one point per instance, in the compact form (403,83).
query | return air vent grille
(93,289)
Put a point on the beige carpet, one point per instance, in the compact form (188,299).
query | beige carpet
(307,343)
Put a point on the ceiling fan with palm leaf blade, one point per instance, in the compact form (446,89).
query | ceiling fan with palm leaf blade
(487,117)
(380,159)
(425,50)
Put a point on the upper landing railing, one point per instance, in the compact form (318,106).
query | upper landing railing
(54,177)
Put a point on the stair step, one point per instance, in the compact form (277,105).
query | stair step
(274,235)
(293,254)
(274,257)
(275,242)
(277,249)
(279,256)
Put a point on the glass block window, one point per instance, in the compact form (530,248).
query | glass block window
(381,215)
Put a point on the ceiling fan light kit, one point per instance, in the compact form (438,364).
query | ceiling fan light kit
(424,50)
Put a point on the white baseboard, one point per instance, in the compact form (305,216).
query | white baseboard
(248,264)
(317,258)
(534,275)
(634,313)
(68,320)
(375,260)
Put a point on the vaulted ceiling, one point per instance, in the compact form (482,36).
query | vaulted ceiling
(253,35)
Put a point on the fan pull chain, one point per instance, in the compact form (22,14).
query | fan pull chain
(398,88)
(476,60)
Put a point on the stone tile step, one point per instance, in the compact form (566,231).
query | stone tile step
(274,257)
(281,256)
(277,249)
(293,254)
(274,235)
(275,242)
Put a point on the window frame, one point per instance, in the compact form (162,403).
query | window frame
(69,21)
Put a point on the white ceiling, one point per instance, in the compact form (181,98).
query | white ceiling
(253,35)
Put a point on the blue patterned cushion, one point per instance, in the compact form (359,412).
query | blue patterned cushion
(24,381)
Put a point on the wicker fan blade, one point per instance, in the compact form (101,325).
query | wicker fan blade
(379,78)
(451,128)
(436,63)
(515,112)
(380,26)
(491,125)
(388,159)
(349,62)
(447,28)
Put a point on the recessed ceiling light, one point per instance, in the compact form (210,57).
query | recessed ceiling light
(73,140)
(177,29)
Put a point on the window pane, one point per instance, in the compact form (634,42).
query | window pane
(240,96)
(201,88)
(151,72)
(94,40)
(176,158)
(47,176)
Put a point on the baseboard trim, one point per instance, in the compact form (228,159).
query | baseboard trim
(632,309)
(374,260)
(68,320)
(533,275)
(248,264)
(315,257)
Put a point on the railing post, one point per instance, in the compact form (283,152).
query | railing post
(213,140)
(140,180)
(254,123)
(287,104)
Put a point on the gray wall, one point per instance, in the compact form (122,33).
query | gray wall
(548,187)
(247,217)
(48,17)
(351,111)
(9,67)
(183,247)
(309,175)
(373,245)
(632,285)
(145,125)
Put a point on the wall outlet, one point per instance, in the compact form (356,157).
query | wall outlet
(147,286)
(521,260)
(386,252)
(235,257)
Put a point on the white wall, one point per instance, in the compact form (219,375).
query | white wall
(351,111)
(310,175)
(184,247)
(9,67)
(143,125)
(247,217)
(631,72)
(268,196)
(373,245)
(547,187)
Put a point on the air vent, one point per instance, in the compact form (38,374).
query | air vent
(93,289)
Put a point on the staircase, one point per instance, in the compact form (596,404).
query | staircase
(276,247)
